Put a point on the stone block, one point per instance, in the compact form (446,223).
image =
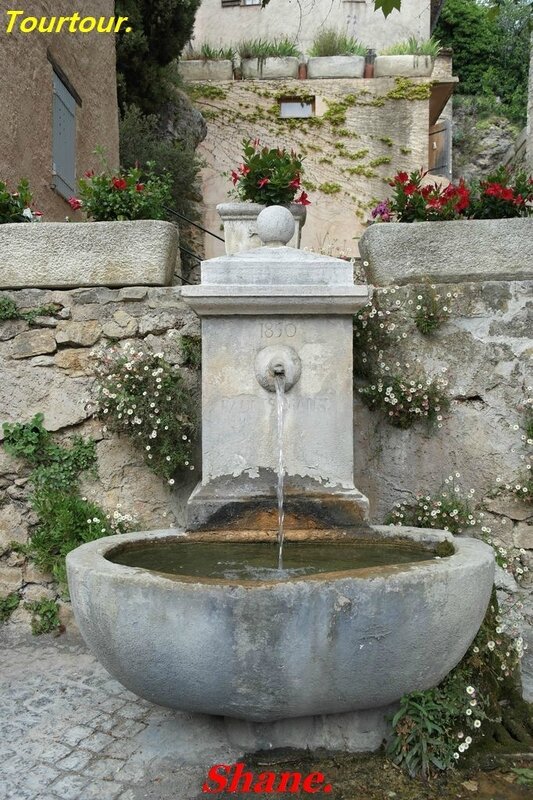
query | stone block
(84,334)
(12,527)
(336,67)
(523,536)
(10,579)
(406,66)
(448,252)
(57,254)
(11,328)
(75,361)
(33,343)
(268,68)
(510,506)
(204,70)
(122,326)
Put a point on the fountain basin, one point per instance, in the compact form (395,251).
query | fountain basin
(265,650)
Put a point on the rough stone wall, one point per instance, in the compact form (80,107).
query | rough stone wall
(88,61)
(49,368)
(529,126)
(347,165)
(484,352)
(300,22)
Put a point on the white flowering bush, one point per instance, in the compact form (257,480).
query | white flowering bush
(144,396)
(431,309)
(448,510)
(406,399)
(433,730)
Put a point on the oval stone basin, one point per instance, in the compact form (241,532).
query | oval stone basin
(362,619)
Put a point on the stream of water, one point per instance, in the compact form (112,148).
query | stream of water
(280,402)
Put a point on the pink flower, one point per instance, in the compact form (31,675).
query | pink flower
(235,177)
(74,203)
(263,182)
(303,200)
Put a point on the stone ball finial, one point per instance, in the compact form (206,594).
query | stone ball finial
(275,226)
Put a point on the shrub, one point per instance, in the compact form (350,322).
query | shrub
(371,330)
(430,311)
(263,48)
(145,397)
(17,206)
(271,176)
(447,510)
(331,42)
(415,47)
(128,195)
(208,52)
(66,520)
(8,604)
(405,400)
(45,617)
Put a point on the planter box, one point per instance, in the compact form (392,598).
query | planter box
(266,68)
(448,252)
(61,255)
(336,67)
(202,70)
(239,225)
(403,66)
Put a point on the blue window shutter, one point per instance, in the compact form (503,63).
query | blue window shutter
(64,139)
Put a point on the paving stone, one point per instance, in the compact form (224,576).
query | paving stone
(96,742)
(74,735)
(102,790)
(76,761)
(108,768)
(69,788)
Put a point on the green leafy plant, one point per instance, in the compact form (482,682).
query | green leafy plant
(45,617)
(405,400)
(191,347)
(10,310)
(264,48)
(144,396)
(208,52)
(271,176)
(17,206)
(430,310)
(432,730)
(8,604)
(331,42)
(415,47)
(447,510)
(128,195)
(65,519)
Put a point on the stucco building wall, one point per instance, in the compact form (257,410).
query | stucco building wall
(347,165)
(301,21)
(26,96)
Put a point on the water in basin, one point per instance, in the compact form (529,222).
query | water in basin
(257,561)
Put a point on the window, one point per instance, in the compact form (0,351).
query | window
(63,138)
(296,107)
(229,3)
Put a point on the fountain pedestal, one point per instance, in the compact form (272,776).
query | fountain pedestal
(266,305)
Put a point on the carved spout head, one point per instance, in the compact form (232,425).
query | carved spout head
(275,362)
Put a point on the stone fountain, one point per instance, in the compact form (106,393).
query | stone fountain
(206,620)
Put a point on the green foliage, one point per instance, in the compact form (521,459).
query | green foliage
(192,351)
(502,195)
(264,48)
(207,91)
(405,89)
(371,331)
(8,604)
(377,162)
(132,194)
(45,617)
(433,729)
(331,42)
(430,311)
(160,29)
(329,188)
(16,206)
(208,52)
(406,399)
(490,51)
(415,47)
(144,396)
(525,776)
(8,308)
(268,175)
(66,520)
(446,510)
(387,6)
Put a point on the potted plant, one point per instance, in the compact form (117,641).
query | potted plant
(409,59)
(455,233)
(207,63)
(129,242)
(262,59)
(334,54)
(266,177)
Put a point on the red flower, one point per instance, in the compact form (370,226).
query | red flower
(244,170)
(295,183)
(409,189)
(120,183)
(74,203)
(139,187)
(37,213)
(507,194)
(235,177)
(89,173)
(493,189)
(401,177)
(263,182)
(256,142)
(303,200)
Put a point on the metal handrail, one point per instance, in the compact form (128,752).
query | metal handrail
(194,224)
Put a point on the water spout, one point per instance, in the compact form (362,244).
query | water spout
(279,378)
